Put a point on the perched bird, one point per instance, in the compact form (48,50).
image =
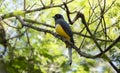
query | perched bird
(63,29)
(3,40)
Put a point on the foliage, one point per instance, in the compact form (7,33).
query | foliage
(35,48)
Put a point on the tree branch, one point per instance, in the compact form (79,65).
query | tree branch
(22,12)
(77,33)
(68,13)
(55,35)
(94,39)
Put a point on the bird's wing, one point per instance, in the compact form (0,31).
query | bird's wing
(66,27)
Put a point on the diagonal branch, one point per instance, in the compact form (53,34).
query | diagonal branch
(22,12)
(77,33)
(55,35)
(94,39)
(87,28)
(110,46)
(68,13)
(32,21)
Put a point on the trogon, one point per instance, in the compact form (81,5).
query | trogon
(64,30)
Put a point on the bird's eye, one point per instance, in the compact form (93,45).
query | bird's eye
(58,16)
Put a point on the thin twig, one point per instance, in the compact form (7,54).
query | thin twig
(44,24)
(32,6)
(42,3)
(82,41)
(10,25)
(30,11)
(77,33)
(104,12)
(24,5)
(68,13)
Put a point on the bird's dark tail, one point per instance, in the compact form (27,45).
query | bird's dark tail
(70,55)
(70,51)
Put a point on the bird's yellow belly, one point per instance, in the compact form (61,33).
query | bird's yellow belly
(61,31)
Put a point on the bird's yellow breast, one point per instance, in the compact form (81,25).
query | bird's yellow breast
(61,31)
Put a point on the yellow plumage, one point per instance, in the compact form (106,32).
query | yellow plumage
(61,32)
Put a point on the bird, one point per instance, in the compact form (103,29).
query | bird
(64,30)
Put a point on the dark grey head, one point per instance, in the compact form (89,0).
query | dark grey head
(58,16)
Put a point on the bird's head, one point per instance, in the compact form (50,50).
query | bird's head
(58,16)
